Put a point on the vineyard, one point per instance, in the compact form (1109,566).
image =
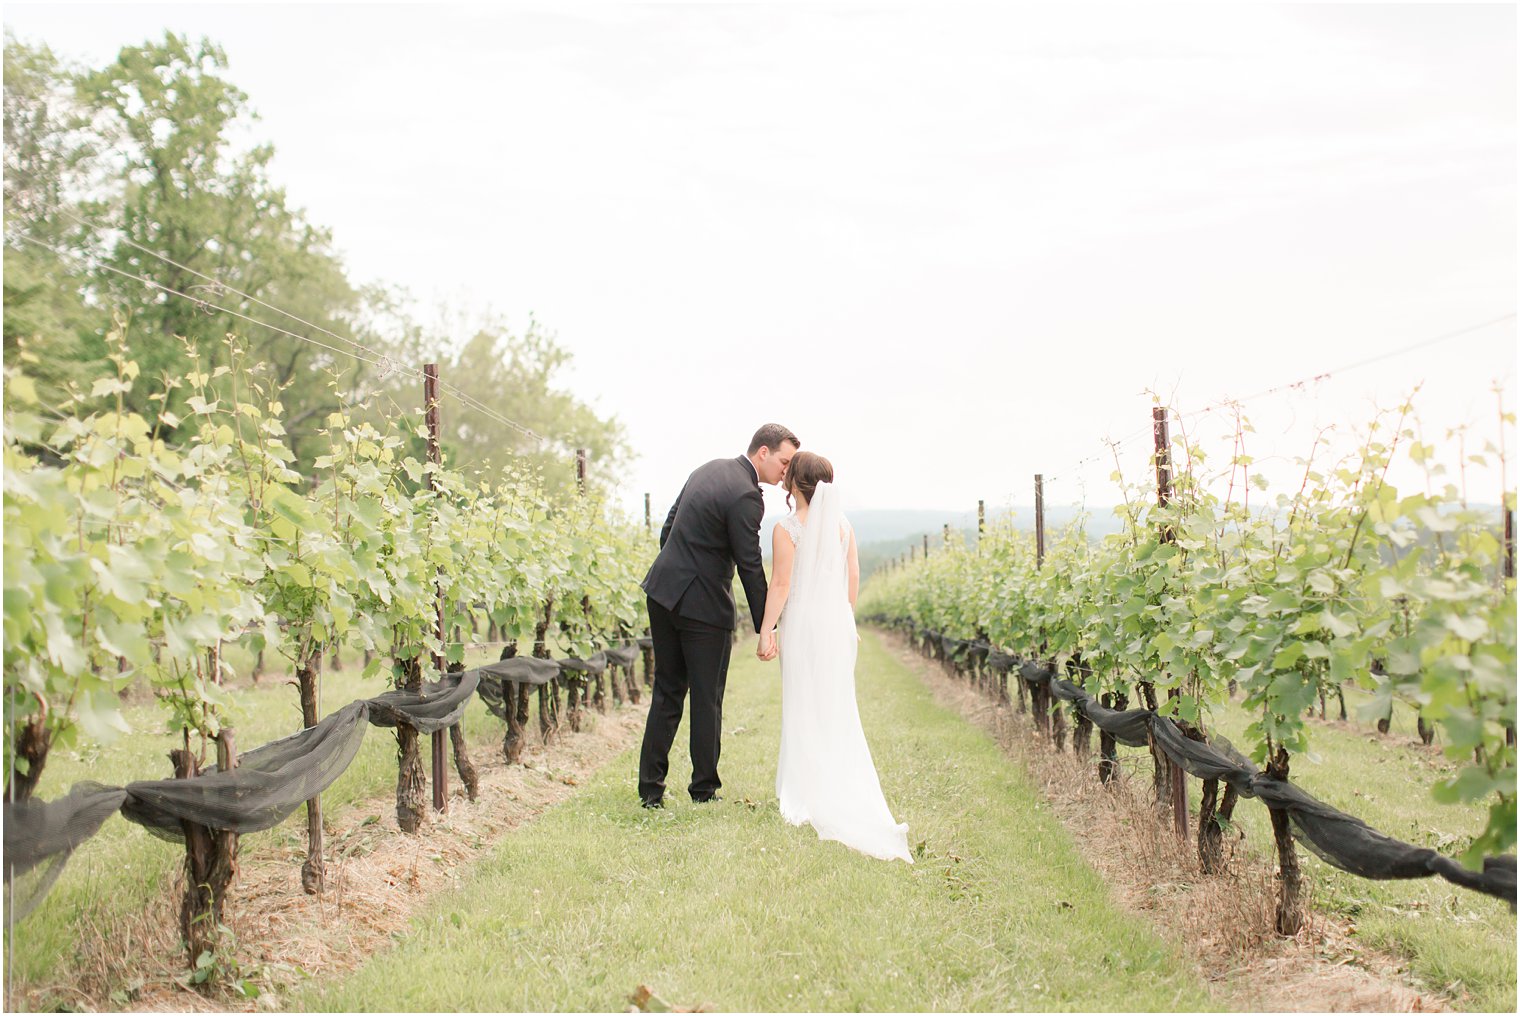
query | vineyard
(1203,604)
(136,570)
(326,654)
(131,563)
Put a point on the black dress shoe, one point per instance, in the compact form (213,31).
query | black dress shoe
(651,802)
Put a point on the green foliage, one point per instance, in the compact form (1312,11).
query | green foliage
(215,968)
(126,556)
(49,154)
(1344,581)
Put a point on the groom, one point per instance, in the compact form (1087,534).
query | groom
(713,526)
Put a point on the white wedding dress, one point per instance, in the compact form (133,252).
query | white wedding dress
(825,775)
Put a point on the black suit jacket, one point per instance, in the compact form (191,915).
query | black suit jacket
(713,527)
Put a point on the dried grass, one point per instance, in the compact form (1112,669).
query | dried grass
(377,878)
(1223,923)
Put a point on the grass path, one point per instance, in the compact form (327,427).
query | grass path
(727,905)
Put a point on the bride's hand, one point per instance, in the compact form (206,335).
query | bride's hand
(767,648)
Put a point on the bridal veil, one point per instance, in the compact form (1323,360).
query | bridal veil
(825,775)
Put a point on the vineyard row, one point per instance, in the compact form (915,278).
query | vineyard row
(1203,595)
(131,559)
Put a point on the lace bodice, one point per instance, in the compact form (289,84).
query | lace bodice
(794,526)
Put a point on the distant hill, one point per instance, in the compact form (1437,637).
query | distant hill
(879,525)
(874,525)
(885,533)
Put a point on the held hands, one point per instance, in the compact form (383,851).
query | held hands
(766,650)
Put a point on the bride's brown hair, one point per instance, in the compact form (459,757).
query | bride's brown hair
(805,472)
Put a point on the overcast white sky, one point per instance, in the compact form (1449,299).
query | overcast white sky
(950,246)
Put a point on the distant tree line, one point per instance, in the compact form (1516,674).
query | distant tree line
(128,181)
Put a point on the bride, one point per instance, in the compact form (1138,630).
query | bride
(825,775)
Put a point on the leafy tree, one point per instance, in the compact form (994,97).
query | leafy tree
(49,155)
(180,237)
(199,218)
(497,375)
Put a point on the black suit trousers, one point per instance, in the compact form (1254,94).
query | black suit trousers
(688,656)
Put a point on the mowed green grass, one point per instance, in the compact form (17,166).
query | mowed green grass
(1452,939)
(725,904)
(119,870)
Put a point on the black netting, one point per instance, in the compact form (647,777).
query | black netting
(1204,760)
(1002,663)
(593,665)
(1497,877)
(1337,838)
(40,836)
(1341,840)
(521,670)
(1130,727)
(493,692)
(438,706)
(623,656)
(494,677)
(269,783)
(1035,673)
(1067,691)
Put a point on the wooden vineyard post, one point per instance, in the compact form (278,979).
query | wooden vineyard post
(947,534)
(580,470)
(1039,520)
(1161,432)
(1171,780)
(1509,573)
(926,546)
(981,522)
(1509,543)
(440,744)
(648,519)
(1047,708)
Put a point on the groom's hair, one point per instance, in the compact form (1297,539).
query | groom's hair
(772,436)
